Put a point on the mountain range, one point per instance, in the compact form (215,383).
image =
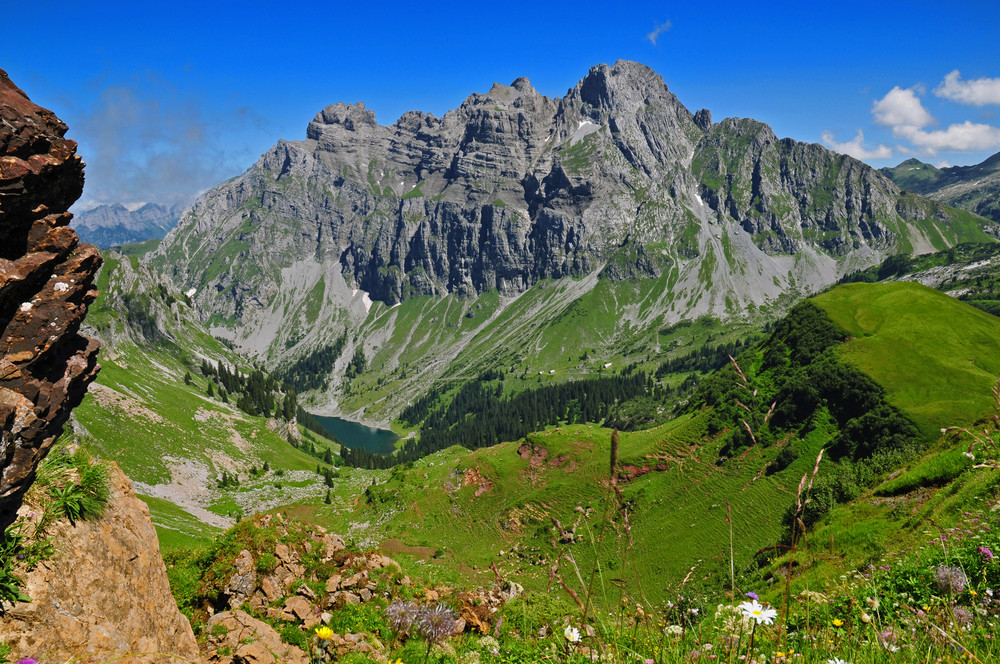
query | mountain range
(113,225)
(975,188)
(527,233)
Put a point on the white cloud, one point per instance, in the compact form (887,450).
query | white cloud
(901,107)
(143,141)
(974,92)
(965,137)
(657,31)
(856,148)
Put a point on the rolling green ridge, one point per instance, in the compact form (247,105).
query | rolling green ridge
(669,528)
(935,356)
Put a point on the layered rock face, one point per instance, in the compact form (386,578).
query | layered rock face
(104,594)
(514,187)
(46,284)
(615,186)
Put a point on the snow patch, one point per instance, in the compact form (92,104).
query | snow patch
(190,292)
(584,128)
(698,198)
(367,301)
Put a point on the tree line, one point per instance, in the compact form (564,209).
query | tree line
(312,370)
(478,416)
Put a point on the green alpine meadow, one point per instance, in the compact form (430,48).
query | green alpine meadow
(371,367)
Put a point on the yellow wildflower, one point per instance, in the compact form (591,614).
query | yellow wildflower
(837,622)
(324,633)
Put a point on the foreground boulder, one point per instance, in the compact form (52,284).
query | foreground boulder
(235,636)
(104,594)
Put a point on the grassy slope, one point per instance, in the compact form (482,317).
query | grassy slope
(678,534)
(915,341)
(677,515)
(158,429)
(936,356)
(549,328)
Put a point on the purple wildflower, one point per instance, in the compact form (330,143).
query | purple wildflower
(985,552)
(752,595)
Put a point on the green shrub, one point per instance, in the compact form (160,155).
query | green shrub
(934,471)
(82,498)
(357,658)
(266,562)
(530,613)
(295,636)
(359,618)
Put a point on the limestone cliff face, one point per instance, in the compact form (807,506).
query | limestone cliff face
(513,187)
(104,594)
(46,280)
(615,182)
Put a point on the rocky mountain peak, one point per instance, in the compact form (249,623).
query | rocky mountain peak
(350,116)
(623,86)
(521,84)
(615,180)
(703,119)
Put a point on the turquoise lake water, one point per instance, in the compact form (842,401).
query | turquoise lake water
(379,441)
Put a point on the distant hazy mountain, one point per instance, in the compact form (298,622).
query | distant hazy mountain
(112,225)
(975,188)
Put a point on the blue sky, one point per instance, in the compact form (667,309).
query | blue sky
(168,99)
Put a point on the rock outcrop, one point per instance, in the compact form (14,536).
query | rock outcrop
(104,594)
(237,637)
(46,284)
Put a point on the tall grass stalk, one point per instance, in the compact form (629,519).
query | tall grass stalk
(798,528)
